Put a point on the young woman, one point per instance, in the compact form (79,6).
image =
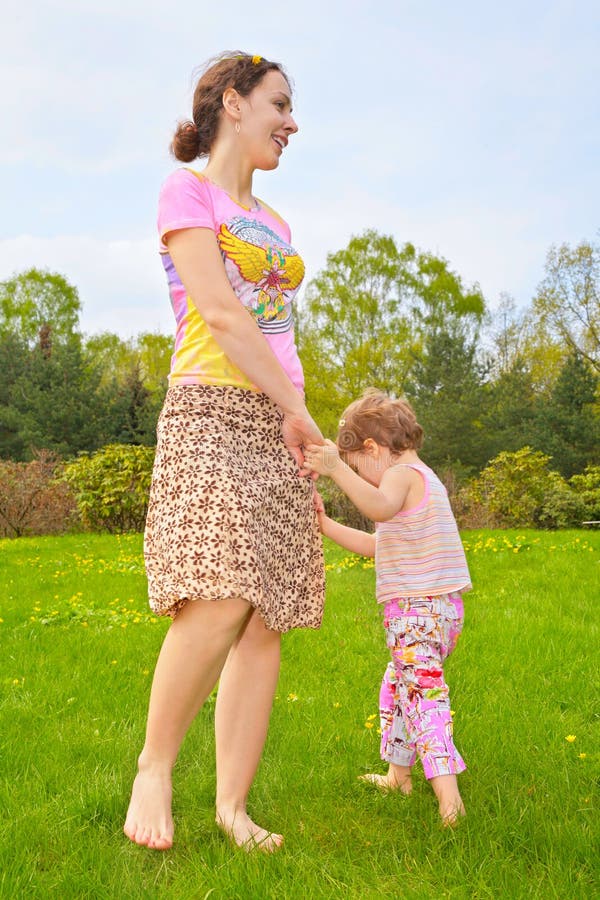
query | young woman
(232,542)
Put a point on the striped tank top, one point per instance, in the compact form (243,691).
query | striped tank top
(419,553)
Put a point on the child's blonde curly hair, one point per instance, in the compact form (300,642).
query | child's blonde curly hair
(390,423)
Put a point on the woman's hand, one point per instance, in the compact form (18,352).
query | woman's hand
(299,429)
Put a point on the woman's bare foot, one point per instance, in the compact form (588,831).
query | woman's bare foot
(149,820)
(394,780)
(452,809)
(239,827)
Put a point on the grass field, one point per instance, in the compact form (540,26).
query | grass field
(77,652)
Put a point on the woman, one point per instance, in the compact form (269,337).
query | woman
(232,544)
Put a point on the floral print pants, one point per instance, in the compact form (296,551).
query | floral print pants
(414,702)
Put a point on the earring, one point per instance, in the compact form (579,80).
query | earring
(237,127)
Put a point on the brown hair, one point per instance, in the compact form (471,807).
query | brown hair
(232,69)
(390,423)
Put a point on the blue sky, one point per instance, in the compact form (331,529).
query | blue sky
(469,129)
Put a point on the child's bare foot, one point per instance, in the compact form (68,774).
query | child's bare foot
(149,820)
(389,782)
(452,809)
(239,827)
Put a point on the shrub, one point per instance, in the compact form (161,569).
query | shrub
(111,487)
(587,487)
(33,497)
(520,490)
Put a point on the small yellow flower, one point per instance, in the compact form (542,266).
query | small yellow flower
(113,662)
(368,724)
(570,738)
(452,712)
(256,60)
(370,718)
(146,672)
(292,697)
(379,731)
(336,705)
(582,755)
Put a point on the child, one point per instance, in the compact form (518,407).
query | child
(421,571)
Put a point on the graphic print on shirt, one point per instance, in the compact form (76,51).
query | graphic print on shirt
(264,271)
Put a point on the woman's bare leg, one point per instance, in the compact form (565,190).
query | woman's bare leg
(244,703)
(189,664)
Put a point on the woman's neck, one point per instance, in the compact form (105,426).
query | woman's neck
(226,169)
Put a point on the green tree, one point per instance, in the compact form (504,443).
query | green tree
(568,299)
(568,423)
(447,391)
(35,300)
(366,316)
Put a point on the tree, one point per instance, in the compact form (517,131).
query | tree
(446,388)
(568,299)
(35,300)
(568,424)
(366,315)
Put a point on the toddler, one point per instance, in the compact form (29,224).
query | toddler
(421,572)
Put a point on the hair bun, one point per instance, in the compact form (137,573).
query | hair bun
(185,145)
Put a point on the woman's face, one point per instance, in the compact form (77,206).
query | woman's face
(266,121)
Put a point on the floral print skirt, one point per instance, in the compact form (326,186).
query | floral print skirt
(229,515)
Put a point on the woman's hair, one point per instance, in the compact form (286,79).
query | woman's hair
(390,423)
(228,70)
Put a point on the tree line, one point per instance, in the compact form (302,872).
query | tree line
(378,314)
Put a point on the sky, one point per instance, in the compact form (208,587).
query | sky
(470,129)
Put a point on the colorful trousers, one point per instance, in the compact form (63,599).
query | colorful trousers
(414,702)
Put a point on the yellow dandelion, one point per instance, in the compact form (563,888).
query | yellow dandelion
(292,697)
(84,624)
(582,755)
(113,662)
(368,724)
(370,718)
(16,681)
(1,621)
(146,672)
(570,738)
(452,712)
(379,731)
(336,705)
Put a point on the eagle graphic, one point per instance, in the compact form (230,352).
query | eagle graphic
(274,268)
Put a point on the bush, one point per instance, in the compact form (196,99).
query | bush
(111,487)
(33,497)
(520,490)
(587,487)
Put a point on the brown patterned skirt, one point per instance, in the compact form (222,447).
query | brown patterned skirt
(229,515)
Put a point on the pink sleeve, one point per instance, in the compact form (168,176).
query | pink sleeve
(184,202)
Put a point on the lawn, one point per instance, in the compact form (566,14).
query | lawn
(77,651)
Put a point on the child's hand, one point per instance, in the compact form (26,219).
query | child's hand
(318,504)
(321,458)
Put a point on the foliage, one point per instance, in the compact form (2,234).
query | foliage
(568,298)
(366,316)
(34,301)
(519,489)
(446,389)
(33,498)
(587,487)
(111,487)
(568,427)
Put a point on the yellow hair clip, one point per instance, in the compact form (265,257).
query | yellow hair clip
(256,60)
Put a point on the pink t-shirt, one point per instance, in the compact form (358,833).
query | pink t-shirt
(264,270)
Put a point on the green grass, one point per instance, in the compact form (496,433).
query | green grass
(77,652)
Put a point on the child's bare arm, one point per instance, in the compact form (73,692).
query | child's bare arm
(377,503)
(352,539)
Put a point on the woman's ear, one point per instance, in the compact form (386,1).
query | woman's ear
(231,103)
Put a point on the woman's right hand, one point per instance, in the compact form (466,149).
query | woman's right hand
(299,429)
